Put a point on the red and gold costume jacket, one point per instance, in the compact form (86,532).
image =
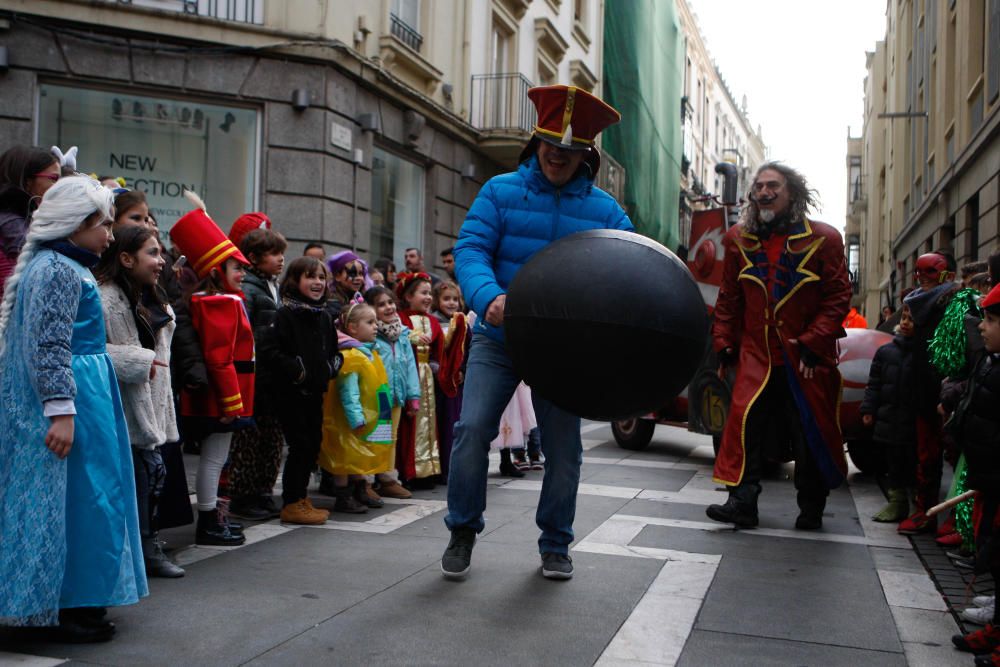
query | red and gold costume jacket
(228,349)
(808,298)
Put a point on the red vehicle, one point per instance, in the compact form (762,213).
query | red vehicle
(702,407)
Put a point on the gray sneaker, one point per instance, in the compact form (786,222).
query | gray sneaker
(557,566)
(457,559)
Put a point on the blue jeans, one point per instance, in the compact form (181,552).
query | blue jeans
(490,382)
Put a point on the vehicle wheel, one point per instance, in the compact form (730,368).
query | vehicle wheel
(633,433)
(867,456)
(708,406)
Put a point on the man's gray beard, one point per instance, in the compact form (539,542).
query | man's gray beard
(766,216)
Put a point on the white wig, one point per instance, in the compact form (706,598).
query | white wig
(65,206)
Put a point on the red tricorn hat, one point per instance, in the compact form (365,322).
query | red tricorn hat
(991,301)
(570,117)
(201,240)
(245,224)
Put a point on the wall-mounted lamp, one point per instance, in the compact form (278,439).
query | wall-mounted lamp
(469,172)
(370,122)
(300,99)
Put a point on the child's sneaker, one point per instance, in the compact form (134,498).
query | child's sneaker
(536,462)
(949,540)
(947,527)
(302,513)
(978,615)
(980,641)
(983,601)
(917,524)
(991,660)
(519,459)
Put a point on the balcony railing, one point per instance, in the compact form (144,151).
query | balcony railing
(241,11)
(404,33)
(611,178)
(500,102)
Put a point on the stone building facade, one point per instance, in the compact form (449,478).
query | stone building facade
(930,158)
(338,119)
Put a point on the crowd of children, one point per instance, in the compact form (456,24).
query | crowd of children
(120,344)
(934,394)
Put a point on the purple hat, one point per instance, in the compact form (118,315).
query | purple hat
(338,261)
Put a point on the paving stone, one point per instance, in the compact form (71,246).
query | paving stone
(714,648)
(800,601)
(642,478)
(742,544)
(570,622)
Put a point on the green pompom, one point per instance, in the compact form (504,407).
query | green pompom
(947,348)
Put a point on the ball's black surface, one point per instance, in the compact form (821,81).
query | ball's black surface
(605,324)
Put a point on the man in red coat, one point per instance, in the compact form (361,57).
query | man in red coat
(784,295)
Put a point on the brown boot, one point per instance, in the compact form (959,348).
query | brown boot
(302,513)
(363,494)
(394,489)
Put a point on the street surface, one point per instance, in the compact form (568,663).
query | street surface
(656,583)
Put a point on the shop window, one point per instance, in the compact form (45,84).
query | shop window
(397,213)
(160,146)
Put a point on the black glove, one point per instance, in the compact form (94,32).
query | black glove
(728,356)
(809,358)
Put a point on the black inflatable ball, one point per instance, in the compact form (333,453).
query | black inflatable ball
(605,324)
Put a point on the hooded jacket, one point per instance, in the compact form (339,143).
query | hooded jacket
(513,217)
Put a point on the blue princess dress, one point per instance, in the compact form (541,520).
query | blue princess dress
(69,528)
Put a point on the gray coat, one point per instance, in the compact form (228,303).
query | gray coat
(149,404)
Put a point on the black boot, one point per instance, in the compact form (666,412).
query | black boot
(739,509)
(157,563)
(213,531)
(507,467)
(811,508)
(326,485)
(346,502)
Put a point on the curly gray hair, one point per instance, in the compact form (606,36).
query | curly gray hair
(801,196)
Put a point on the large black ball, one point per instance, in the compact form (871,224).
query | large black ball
(605,324)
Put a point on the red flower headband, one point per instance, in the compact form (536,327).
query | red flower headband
(404,280)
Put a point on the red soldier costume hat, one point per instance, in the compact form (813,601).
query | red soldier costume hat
(570,118)
(991,301)
(201,240)
(246,223)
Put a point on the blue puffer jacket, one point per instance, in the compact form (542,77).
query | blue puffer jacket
(514,216)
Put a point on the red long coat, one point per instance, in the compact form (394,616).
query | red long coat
(811,296)
(227,346)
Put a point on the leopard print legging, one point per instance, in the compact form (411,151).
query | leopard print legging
(255,458)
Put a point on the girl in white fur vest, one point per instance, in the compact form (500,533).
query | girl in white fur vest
(140,326)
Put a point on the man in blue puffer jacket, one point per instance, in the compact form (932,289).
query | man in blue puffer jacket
(551,195)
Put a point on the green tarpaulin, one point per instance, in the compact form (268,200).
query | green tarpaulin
(643,76)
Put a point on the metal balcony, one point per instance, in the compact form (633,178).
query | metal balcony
(500,103)
(404,33)
(241,11)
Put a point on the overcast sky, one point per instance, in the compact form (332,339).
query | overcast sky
(801,64)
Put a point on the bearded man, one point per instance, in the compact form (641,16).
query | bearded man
(784,295)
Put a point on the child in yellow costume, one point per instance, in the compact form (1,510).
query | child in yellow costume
(357,417)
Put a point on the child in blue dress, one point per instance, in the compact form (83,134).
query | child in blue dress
(70,529)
